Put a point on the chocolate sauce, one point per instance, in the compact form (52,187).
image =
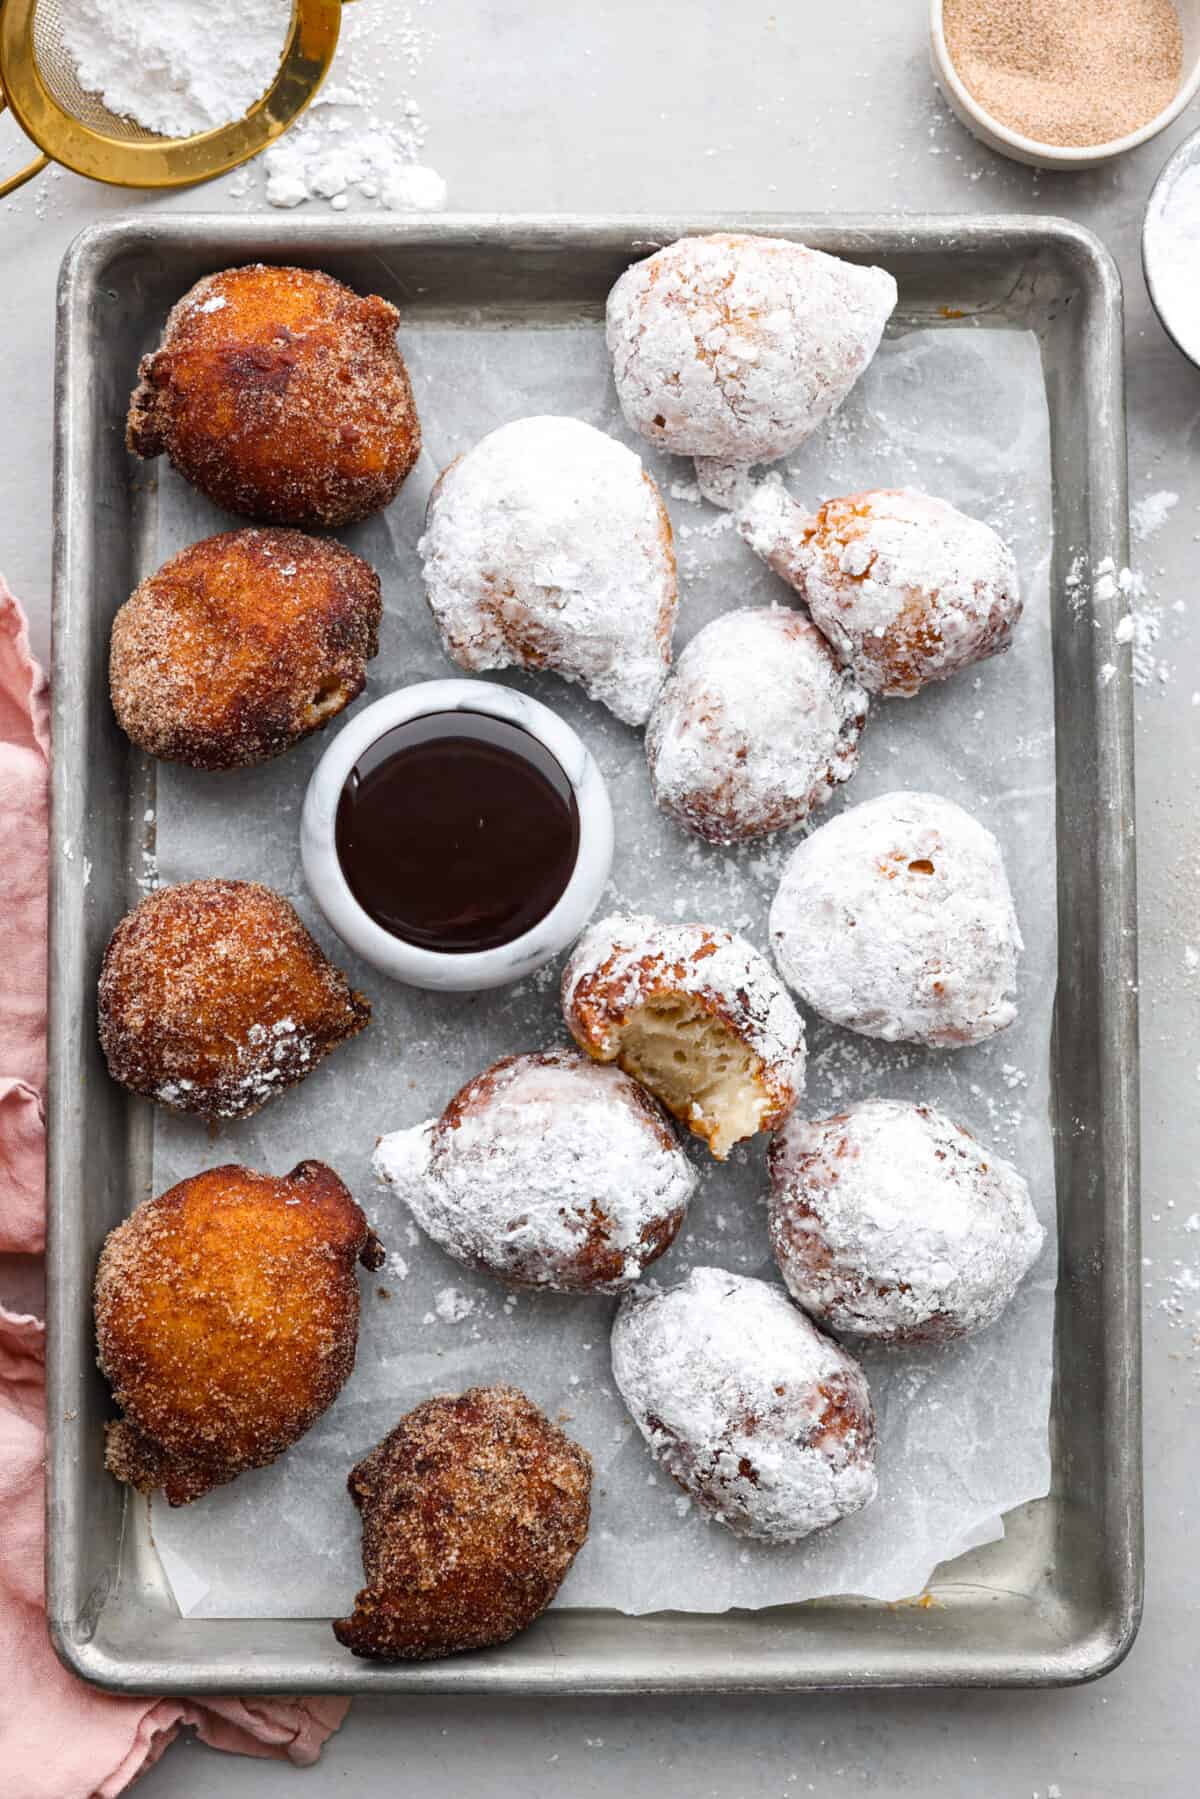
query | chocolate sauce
(457,831)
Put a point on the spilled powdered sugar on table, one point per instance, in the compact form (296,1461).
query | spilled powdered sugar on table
(963,1431)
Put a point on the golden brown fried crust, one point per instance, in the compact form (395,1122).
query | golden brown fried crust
(281,395)
(213,998)
(227,1321)
(473,1509)
(241,645)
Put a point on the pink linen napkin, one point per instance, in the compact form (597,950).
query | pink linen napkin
(60,1739)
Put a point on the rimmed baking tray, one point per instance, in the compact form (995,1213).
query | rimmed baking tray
(1058,1599)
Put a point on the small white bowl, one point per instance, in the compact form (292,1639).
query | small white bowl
(1171,281)
(1055,156)
(477,969)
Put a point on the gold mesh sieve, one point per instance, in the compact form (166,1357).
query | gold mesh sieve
(71,126)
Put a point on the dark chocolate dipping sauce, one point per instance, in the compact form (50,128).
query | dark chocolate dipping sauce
(457,832)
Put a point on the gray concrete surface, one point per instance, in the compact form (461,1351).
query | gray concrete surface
(534,105)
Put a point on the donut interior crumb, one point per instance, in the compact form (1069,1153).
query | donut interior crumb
(699,1068)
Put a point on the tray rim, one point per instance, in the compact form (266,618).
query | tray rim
(1092,1651)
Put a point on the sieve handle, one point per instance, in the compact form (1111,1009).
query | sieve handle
(22,175)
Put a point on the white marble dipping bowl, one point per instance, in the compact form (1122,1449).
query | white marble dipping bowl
(471,970)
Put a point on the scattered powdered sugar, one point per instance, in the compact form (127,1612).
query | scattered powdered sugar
(178,67)
(325,159)
(891,1222)
(896,919)
(735,348)
(548,546)
(755,728)
(548,1171)
(1149,514)
(907,588)
(764,1421)
(451,1306)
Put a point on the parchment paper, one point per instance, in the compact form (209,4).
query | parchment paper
(963,1432)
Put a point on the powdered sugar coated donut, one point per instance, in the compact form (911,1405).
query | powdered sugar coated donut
(548,546)
(891,1222)
(906,588)
(754,728)
(548,1172)
(737,347)
(767,1423)
(896,920)
(695,1014)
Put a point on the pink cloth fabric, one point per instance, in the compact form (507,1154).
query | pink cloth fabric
(60,1739)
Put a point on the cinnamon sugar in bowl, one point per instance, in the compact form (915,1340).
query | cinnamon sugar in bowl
(1066,84)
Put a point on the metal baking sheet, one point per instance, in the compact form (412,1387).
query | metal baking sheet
(1057,1600)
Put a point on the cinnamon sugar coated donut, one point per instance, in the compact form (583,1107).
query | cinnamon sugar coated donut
(546,1171)
(213,998)
(890,1222)
(896,920)
(241,645)
(548,546)
(906,588)
(227,1322)
(473,1510)
(764,1421)
(280,394)
(736,347)
(696,1015)
(755,727)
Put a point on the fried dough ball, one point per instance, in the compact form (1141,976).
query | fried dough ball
(227,1322)
(213,998)
(896,920)
(694,1014)
(755,728)
(548,546)
(906,588)
(891,1223)
(734,348)
(281,395)
(473,1510)
(547,1171)
(765,1422)
(241,645)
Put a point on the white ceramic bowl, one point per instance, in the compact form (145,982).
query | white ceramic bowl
(1053,156)
(476,969)
(1172,277)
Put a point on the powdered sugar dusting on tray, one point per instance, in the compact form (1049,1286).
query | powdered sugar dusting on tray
(962,1432)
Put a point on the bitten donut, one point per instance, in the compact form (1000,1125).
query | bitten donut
(765,1422)
(906,588)
(473,1510)
(890,1222)
(735,348)
(755,727)
(227,1322)
(896,920)
(280,394)
(214,998)
(696,1015)
(547,1171)
(548,546)
(242,645)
